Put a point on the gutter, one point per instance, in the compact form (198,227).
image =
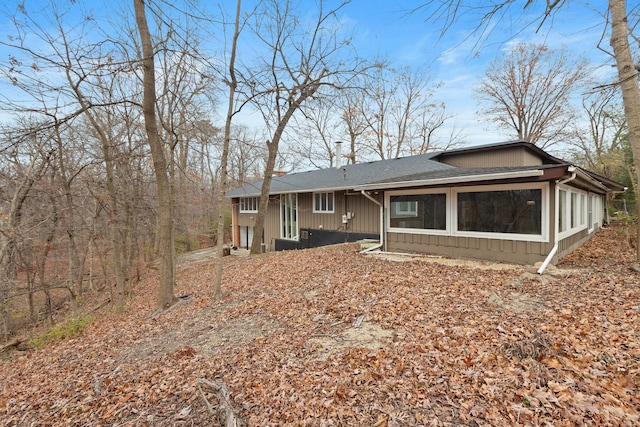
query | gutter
(451,180)
(381,244)
(554,250)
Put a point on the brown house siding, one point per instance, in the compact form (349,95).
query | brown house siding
(366,216)
(272,222)
(367,213)
(566,246)
(513,251)
(512,156)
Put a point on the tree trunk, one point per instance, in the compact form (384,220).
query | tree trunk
(113,212)
(258,227)
(628,77)
(165,220)
(225,156)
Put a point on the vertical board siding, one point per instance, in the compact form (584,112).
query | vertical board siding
(367,213)
(519,252)
(272,223)
(512,156)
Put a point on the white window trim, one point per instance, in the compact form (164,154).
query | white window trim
(406,213)
(333,197)
(452,212)
(297,235)
(387,202)
(567,213)
(240,202)
(542,237)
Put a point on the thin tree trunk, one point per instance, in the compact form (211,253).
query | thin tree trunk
(165,220)
(628,77)
(256,244)
(225,156)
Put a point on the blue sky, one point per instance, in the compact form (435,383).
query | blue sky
(457,59)
(384,28)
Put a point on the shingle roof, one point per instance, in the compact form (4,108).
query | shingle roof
(406,171)
(346,177)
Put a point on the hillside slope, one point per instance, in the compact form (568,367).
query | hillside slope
(331,337)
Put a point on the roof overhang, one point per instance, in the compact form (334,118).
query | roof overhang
(585,179)
(535,173)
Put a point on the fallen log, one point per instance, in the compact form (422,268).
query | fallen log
(13,343)
(223,410)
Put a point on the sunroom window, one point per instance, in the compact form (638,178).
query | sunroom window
(505,211)
(419,211)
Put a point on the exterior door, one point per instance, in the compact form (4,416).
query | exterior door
(246,236)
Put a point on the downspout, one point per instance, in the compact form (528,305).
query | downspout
(549,257)
(379,245)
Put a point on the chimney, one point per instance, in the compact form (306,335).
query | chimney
(279,172)
(338,154)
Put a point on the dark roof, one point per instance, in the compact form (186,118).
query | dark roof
(345,177)
(406,171)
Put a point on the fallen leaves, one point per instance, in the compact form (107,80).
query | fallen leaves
(332,337)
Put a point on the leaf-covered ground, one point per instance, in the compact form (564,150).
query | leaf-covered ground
(330,337)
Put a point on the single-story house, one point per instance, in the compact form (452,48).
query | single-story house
(507,202)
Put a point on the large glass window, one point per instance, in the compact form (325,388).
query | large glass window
(323,202)
(574,210)
(508,211)
(419,211)
(289,220)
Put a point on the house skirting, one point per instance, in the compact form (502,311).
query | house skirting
(313,238)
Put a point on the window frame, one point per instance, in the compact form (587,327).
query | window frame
(544,212)
(243,204)
(451,228)
(431,231)
(289,230)
(573,211)
(326,194)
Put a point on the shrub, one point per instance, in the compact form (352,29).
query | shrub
(64,330)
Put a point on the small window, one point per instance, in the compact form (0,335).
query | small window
(323,202)
(404,209)
(249,204)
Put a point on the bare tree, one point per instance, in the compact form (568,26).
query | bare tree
(598,146)
(165,216)
(316,133)
(300,56)
(628,80)
(246,157)
(528,93)
(623,21)
(29,161)
(79,75)
(232,82)
(351,104)
(399,112)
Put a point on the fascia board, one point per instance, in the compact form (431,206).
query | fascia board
(454,180)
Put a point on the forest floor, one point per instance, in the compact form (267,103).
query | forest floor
(332,337)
